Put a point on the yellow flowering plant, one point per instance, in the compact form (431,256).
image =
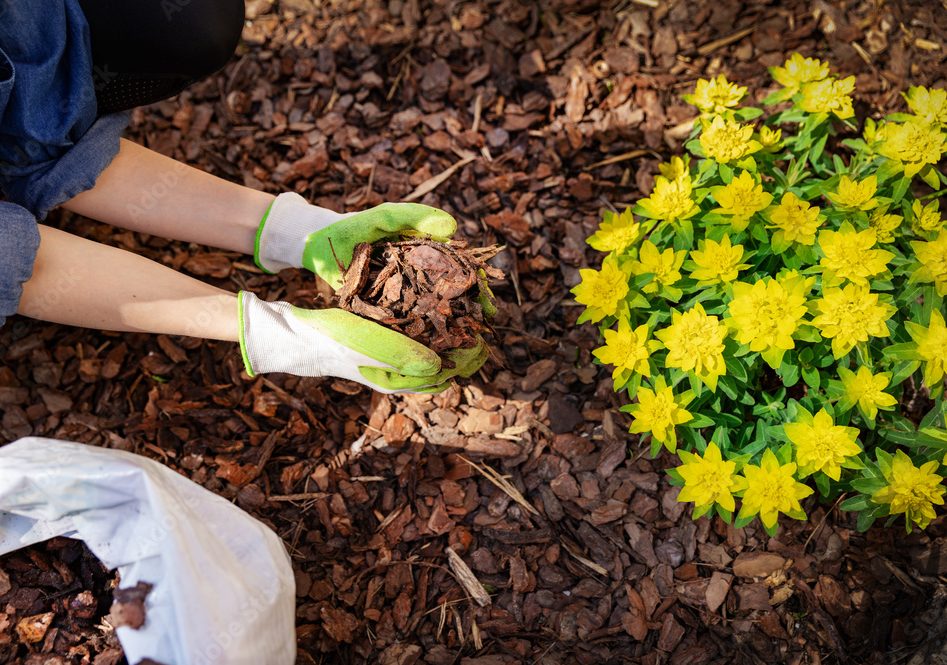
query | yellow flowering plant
(774,308)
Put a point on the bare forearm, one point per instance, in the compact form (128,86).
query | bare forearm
(83,283)
(142,190)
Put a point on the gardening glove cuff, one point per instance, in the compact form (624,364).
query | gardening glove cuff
(277,337)
(284,230)
(295,234)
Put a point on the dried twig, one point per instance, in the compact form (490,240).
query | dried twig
(433,182)
(467,578)
(503,484)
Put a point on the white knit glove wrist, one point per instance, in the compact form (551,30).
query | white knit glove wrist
(277,341)
(281,238)
(277,337)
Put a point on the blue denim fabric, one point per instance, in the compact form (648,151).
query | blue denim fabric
(19,240)
(52,146)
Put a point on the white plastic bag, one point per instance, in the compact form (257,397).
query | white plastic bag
(224,591)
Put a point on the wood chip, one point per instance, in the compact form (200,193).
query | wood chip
(467,579)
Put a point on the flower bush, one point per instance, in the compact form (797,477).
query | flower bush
(774,309)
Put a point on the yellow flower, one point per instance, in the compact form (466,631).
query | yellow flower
(884,224)
(766,314)
(770,138)
(658,412)
(708,480)
(616,233)
(665,266)
(821,445)
(911,490)
(912,144)
(795,221)
(725,141)
(855,195)
(694,341)
(772,489)
(717,261)
(829,96)
(741,199)
(866,390)
(601,291)
(929,104)
(671,199)
(931,347)
(798,70)
(848,254)
(673,169)
(715,95)
(627,350)
(933,258)
(851,315)
(926,217)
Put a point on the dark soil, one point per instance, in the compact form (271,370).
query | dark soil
(523,120)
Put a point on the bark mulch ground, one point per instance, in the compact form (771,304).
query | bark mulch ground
(513,519)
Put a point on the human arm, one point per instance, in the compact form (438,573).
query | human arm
(142,190)
(83,283)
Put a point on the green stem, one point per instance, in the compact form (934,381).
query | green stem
(933,195)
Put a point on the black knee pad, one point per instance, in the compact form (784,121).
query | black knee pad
(147,50)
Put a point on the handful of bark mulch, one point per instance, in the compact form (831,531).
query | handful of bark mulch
(435,293)
(55,600)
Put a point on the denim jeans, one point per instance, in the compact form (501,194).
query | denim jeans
(52,146)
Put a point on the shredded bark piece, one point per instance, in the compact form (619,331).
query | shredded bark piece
(430,291)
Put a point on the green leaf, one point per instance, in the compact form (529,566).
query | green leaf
(865,520)
(789,373)
(822,484)
(868,485)
(929,175)
(812,377)
(936,416)
(923,438)
(784,453)
(818,148)
(859,502)
(900,188)
(748,113)
(741,522)
(725,385)
(754,448)
(905,351)
(887,170)
(902,371)
(655,447)
(699,421)
(736,369)
(721,437)
(700,511)
(807,334)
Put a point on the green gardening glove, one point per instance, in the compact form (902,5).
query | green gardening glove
(277,337)
(295,234)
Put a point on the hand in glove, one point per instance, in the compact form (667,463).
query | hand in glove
(277,337)
(295,234)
